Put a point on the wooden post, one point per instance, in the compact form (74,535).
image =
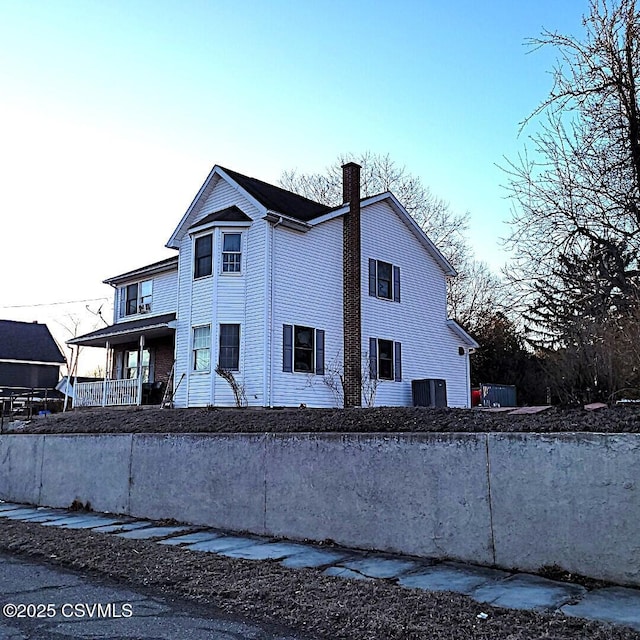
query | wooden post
(140,352)
(104,381)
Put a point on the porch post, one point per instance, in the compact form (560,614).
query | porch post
(140,369)
(104,381)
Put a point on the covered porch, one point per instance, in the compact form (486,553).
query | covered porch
(138,363)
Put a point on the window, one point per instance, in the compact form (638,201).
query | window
(302,349)
(146,294)
(202,348)
(385,360)
(131,365)
(203,251)
(229,357)
(231,252)
(384,283)
(384,280)
(132,299)
(136,298)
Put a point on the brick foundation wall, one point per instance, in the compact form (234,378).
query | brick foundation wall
(164,359)
(163,353)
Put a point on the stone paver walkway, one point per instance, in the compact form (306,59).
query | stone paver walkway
(615,605)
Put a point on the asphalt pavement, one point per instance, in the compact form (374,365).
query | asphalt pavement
(42,602)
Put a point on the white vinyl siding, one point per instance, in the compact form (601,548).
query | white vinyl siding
(418,323)
(293,278)
(160,294)
(165,293)
(307,292)
(235,298)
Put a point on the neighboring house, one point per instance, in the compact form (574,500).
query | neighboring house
(290,296)
(30,360)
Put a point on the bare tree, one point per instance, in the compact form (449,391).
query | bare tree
(475,294)
(239,395)
(446,228)
(333,379)
(576,220)
(578,189)
(476,288)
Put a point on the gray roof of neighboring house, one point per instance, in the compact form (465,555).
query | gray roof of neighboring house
(28,341)
(278,199)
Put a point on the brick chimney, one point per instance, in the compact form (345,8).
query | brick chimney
(352,317)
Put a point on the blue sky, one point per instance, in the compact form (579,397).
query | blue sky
(112,113)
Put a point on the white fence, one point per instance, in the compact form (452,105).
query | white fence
(107,393)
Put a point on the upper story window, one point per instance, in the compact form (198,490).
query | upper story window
(384,280)
(136,298)
(231,252)
(203,253)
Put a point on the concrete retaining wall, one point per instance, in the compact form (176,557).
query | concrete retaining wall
(514,500)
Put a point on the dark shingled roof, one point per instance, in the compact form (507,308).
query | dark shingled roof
(155,266)
(124,327)
(230,214)
(278,199)
(28,341)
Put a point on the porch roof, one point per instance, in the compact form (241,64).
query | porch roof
(153,326)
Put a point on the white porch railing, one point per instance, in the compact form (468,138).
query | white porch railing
(107,393)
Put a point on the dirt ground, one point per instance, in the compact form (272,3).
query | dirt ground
(317,606)
(620,419)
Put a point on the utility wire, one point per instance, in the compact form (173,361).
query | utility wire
(51,304)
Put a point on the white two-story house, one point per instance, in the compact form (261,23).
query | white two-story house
(299,302)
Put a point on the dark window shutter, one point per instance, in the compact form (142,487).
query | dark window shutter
(398,361)
(396,284)
(287,347)
(320,352)
(373,358)
(372,277)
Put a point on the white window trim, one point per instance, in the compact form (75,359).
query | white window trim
(239,343)
(393,364)
(124,301)
(313,350)
(192,365)
(194,239)
(242,253)
(391,283)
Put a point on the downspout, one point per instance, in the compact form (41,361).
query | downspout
(469,351)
